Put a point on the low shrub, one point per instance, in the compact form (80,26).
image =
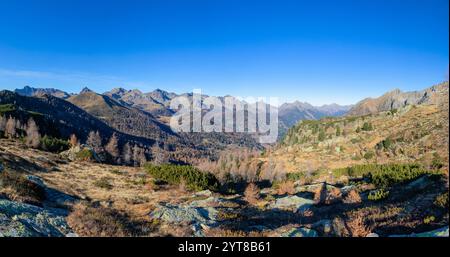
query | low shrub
(98,221)
(85,155)
(251,193)
(387,176)
(103,183)
(384,175)
(352,197)
(285,187)
(357,226)
(442,200)
(369,155)
(55,145)
(378,195)
(175,174)
(429,219)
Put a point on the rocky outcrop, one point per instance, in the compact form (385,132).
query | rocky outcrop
(185,214)
(293,203)
(289,231)
(74,153)
(398,99)
(24,220)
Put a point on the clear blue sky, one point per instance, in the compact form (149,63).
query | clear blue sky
(317,51)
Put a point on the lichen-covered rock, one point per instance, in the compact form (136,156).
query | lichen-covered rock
(185,214)
(205,193)
(24,220)
(83,152)
(441,232)
(299,232)
(37,180)
(294,203)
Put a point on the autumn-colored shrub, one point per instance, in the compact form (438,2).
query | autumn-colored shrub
(251,193)
(286,187)
(352,197)
(19,188)
(357,226)
(98,221)
(442,200)
(334,195)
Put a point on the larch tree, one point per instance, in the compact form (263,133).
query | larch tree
(33,137)
(73,141)
(113,147)
(10,128)
(127,153)
(95,141)
(2,123)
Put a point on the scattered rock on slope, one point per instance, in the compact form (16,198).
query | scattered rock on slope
(24,220)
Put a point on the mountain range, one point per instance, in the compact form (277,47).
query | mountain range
(157,103)
(143,117)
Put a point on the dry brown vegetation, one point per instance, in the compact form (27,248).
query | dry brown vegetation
(357,226)
(352,197)
(16,187)
(88,220)
(286,187)
(251,194)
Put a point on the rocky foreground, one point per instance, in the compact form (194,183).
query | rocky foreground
(74,198)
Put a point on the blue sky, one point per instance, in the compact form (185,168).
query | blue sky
(315,51)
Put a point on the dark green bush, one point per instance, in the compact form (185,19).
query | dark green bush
(385,144)
(55,145)
(384,175)
(367,126)
(175,174)
(388,175)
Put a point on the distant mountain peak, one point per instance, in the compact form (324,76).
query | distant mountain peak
(86,90)
(31,91)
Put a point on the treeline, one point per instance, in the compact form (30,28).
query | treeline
(11,127)
(242,164)
(108,151)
